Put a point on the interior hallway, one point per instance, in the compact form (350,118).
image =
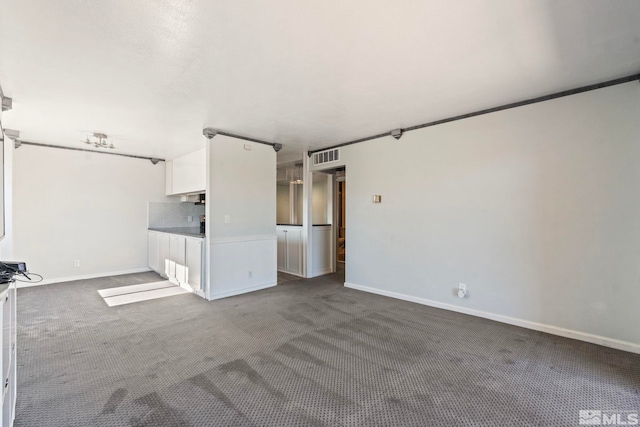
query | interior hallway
(308,353)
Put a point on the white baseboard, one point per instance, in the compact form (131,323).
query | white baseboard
(83,277)
(292,274)
(554,330)
(242,291)
(321,272)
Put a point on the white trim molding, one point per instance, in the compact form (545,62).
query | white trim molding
(541,327)
(241,264)
(242,291)
(83,277)
(223,240)
(322,272)
(291,274)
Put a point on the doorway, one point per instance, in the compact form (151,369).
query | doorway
(340,219)
(341,247)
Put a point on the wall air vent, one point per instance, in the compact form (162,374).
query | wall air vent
(327,156)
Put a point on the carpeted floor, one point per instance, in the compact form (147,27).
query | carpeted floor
(284,278)
(310,352)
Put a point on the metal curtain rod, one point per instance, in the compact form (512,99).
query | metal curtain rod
(153,160)
(494,109)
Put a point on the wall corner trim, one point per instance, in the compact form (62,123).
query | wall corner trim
(541,327)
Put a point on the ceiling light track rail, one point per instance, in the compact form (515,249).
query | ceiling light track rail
(153,160)
(544,98)
(211,132)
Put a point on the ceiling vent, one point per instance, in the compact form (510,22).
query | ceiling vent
(327,156)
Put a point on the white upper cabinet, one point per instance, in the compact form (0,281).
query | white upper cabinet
(187,174)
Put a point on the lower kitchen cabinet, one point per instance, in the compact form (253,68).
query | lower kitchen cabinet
(289,249)
(158,252)
(8,355)
(153,251)
(194,260)
(178,258)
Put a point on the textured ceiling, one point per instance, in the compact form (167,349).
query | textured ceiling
(308,74)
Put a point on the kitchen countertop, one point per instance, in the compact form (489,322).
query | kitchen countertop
(182,231)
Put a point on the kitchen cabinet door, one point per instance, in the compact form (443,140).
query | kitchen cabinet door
(177,259)
(294,251)
(13,369)
(289,249)
(163,254)
(188,173)
(8,355)
(153,261)
(6,337)
(194,263)
(282,249)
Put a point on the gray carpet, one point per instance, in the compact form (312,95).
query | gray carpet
(308,353)
(284,278)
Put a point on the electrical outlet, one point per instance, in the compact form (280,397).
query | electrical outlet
(462,290)
(76,263)
(189,218)
(250,274)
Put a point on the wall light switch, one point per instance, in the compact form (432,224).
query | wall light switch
(189,218)
(227,219)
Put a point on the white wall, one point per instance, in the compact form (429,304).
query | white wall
(6,242)
(536,209)
(299,189)
(319,199)
(242,185)
(283,207)
(71,205)
(320,205)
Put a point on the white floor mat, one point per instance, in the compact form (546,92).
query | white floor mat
(136,293)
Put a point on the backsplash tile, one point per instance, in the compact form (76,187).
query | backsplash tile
(166,215)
